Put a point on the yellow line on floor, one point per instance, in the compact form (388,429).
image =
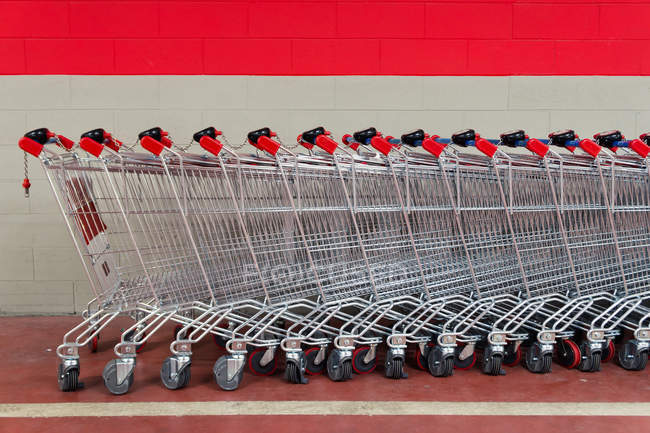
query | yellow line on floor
(116,409)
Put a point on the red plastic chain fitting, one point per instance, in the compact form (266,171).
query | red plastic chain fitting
(65,142)
(304,143)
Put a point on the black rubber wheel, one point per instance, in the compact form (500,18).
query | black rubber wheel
(110,379)
(511,356)
(630,358)
(347,369)
(421,358)
(129,337)
(568,354)
(358,363)
(537,361)
(398,368)
(463,364)
(179,381)
(608,351)
(68,380)
(311,367)
(220,372)
(291,372)
(492,362)
(256,368)
(589,359)
(337,369)
(440,365)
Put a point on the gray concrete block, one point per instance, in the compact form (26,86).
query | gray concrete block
(57,264)
(82,295)
(580,93)
(180,124)
(34,92)
(114,92)
(202,92)
(379,93)
(268,93)
(237,123)
(13,199)
(490,124)
(42,199)
(433,122)
(336,121)
(465,93)
(16,264)
(71,123)
(36,297)
(587,123)
(13,125)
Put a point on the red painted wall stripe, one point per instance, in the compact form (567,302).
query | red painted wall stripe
(329,37)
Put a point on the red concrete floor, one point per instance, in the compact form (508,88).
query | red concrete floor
(28,375)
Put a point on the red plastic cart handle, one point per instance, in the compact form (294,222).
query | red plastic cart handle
(639,147)
(537,147)
(432,146)
(210,144)
(326,143)
(381,145)
(590,147)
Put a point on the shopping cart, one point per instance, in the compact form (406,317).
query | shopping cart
(409,241)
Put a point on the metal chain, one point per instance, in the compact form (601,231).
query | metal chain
(26,183)
(290,147)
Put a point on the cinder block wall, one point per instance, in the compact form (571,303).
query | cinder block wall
(39,269)
(241,64)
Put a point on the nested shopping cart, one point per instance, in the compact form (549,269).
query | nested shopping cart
(354,245)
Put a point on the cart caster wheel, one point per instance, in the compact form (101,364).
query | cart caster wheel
(180,380)
(492,362)
(110,379)
(294,370)
(631,358)
(421,358)
(440,364)
(339,369)
(511,356)
(129,337)
(68,378)
(589,359)
(608,352)
(93,343)
(311,367)
(463,364)
(394,365)
(359,363)
(255,366)
(538,361)
(568,354)
(220,371)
